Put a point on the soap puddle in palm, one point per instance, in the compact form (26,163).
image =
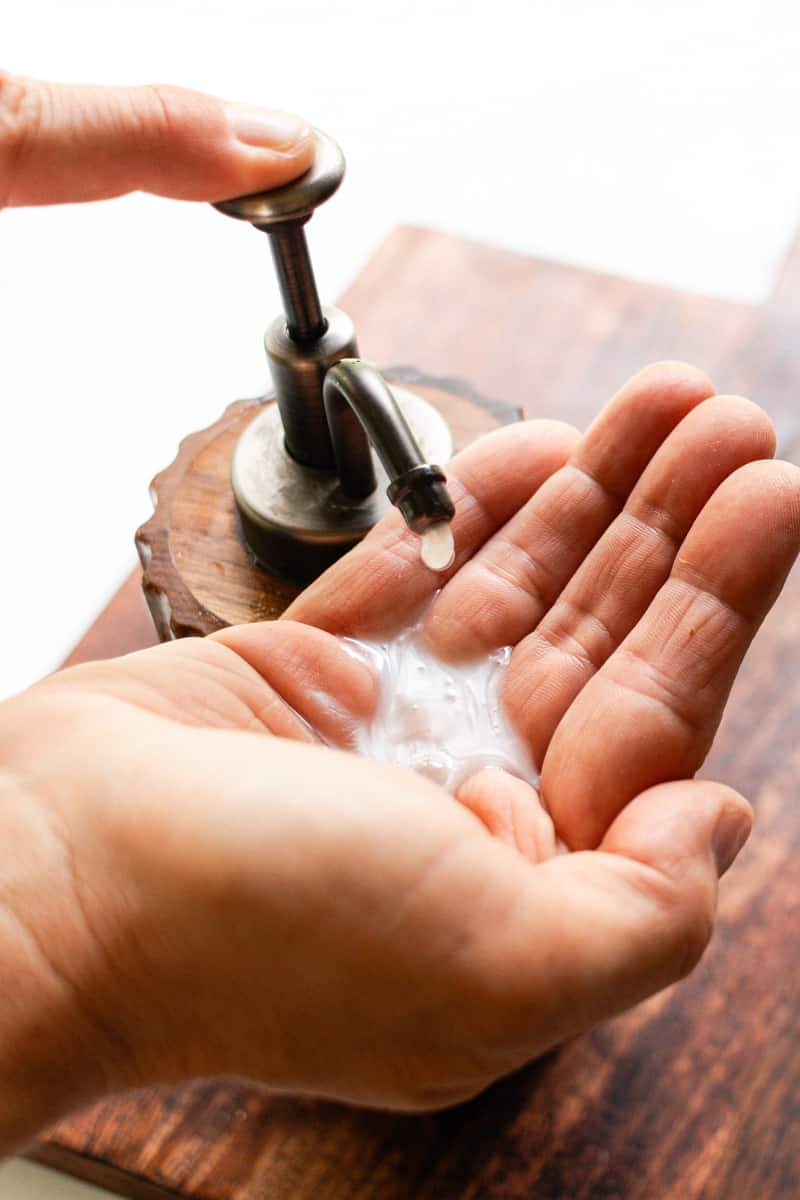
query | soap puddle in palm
(445,720)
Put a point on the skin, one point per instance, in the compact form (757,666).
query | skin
(193,884)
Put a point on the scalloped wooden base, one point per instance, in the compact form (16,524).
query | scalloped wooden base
(199,575)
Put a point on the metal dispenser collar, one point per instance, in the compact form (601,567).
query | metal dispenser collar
(306,484)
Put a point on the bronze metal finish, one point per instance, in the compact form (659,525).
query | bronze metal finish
(303,474)
(298,374)
(298,198)
(282,213)
(297,520)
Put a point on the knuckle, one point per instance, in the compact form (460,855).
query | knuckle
(164,109)
(159,94)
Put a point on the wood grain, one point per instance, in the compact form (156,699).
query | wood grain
(694,1093)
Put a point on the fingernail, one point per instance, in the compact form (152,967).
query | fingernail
(267,128)
(730,834)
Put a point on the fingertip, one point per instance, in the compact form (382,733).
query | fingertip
(511,811)
(764,493)
(546,443)
(629,430)
(673,374)
(219,148)
(737,415)
(561,435)
(662,392)
(88,142)
(273,146)
(268,128)
(674,826)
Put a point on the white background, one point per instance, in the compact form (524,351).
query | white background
(652,139)
(658,140)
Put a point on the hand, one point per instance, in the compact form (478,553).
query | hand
(220,901)
(64,142)
(629,584)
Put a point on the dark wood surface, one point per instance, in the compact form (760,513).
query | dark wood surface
(198,574)
(694,1093)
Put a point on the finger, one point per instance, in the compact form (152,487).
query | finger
(64,142)
(613,926)
(512,812)
(329,687)
(506,590)
(651,712)
(374,587)
(621,575)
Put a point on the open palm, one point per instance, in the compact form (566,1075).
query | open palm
(629,569)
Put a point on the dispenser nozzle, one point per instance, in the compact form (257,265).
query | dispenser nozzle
(422,497)
(358,401)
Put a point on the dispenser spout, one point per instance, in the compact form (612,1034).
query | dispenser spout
(360,409)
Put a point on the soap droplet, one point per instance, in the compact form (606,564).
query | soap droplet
(438,548)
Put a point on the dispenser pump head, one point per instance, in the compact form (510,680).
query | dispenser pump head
(295,200)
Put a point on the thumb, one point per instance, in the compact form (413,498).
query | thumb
(614,925)
(65,142)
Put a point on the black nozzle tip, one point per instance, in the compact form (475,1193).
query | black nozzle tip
(422,497)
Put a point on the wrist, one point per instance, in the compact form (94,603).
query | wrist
(55,1051)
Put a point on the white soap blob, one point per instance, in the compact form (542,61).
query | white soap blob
(438,549)
(445,720)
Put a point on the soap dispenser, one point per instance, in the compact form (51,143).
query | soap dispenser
(261,503)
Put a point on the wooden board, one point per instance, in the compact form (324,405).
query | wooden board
(693,1094)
